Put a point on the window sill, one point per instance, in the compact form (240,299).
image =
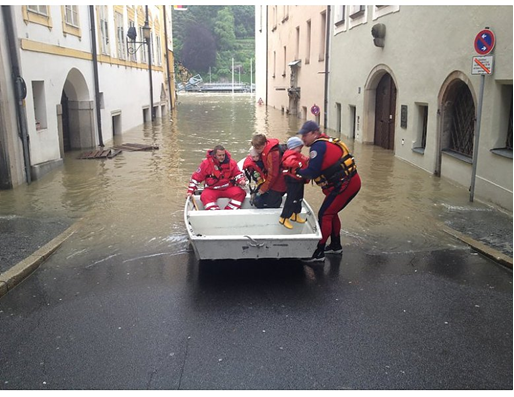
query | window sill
(458,156)
(357,14)
(503,152)
(339,23)
(420,150)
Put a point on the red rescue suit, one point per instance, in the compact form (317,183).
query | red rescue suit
(220,180)
(333,168)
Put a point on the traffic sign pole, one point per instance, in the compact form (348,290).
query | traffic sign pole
(484,44)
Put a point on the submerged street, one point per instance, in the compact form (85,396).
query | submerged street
(124,303)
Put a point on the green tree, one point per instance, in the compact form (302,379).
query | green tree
(224,29)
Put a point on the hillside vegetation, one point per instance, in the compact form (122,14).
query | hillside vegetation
(206,38)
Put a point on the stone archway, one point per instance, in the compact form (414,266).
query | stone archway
(76,115)
(379,117)
(456,126)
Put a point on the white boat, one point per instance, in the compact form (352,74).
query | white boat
(248,233)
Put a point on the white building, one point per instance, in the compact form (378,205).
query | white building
(82,80)
(401,77)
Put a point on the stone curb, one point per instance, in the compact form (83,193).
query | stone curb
(12,277)
(491,253)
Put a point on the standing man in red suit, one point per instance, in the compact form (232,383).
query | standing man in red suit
(333,168)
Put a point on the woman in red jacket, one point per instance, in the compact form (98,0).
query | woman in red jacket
(222,178)
(271,191)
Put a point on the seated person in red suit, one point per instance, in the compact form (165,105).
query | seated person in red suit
(222,178)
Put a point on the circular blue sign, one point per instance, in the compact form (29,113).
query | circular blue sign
(484,42)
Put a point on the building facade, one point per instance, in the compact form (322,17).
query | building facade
(404,78)
(83,81)
(296,40)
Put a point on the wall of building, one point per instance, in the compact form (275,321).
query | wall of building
(283,24)
(56,58)
(426,48)
(11,151)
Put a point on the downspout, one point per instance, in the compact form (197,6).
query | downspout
(267,58)
(95,72)
(20,90)
(325,107)
(149,45)
(167,54)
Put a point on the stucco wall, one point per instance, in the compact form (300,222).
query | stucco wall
(424,45)
(311,77)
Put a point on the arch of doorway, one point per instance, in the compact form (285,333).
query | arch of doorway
(76,120)
(370,95)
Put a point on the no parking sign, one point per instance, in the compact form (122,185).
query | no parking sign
(315,110)
(484,42)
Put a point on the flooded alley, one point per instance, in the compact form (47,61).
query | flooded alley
(124,303)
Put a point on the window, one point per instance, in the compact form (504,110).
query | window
(504,143)
(70,20)
(132,56)
(422,126)
(285,13)
(297,53)
(104,30)
(38,96)
(41,10)
(159,51)
(356,11)
(152,48)
(285,62)
(308,44)
(460,124)
(323,31)
(274,19)
(37,14)
(274,64)
(339,15)
(508,140)
(120,35)
(143,47)
(71,16)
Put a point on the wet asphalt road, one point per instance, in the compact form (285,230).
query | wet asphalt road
(424,320)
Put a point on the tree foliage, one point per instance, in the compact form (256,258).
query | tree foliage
(198,51)
(206,38)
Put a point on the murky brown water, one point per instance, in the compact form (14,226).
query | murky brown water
(132,205)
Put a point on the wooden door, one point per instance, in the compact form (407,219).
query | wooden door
(385,110)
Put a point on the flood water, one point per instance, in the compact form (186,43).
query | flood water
(131,206)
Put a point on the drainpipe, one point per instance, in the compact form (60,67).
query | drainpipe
(149,45)
(325,107)
(267,68)
(167,54)
(95,72)
(20,90)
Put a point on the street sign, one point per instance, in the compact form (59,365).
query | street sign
(482,65)
(484,42)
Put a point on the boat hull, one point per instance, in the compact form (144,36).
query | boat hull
(248,233)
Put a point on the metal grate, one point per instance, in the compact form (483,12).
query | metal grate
(463,123)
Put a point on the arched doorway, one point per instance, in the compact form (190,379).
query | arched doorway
(385,111)
(76,124)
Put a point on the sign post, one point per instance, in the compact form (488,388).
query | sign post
(482,65)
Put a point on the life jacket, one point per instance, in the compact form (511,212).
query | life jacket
(218,175)
(254,170)
(292,160)
(341,170)
(278,184)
